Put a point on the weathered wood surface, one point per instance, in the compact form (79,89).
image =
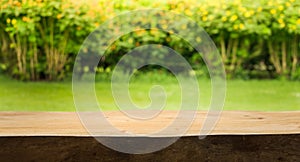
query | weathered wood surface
(68,123)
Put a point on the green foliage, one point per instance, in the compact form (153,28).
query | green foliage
(40,39)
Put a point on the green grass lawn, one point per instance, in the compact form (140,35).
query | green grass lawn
(263,95)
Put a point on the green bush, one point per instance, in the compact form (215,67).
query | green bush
(253,37)
(40,39)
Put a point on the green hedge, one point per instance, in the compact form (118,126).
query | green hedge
(40,39)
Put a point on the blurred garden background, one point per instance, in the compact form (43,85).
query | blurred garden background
(259,42)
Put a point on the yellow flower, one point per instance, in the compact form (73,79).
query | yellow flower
(164,26)
(242,9)
(180,6)
(204,18)
(224,18)
(270,3)
(139,32)
(224,6)
(282,25)
(273,11)
(259,9)
(59,16)
(287,4)
(202,8)
(25,19)
(17,3)
(298,22)
(188,12)
(8,20)
(235,27)
(280,21)
(237,1)
(242,26)
(247,14)
(64,6)
(13,21)
(233,17)
(280,8)
(183,27)
(153,31)
(130,40)
(228,13)
(292,1)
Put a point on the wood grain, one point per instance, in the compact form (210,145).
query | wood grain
(69,124)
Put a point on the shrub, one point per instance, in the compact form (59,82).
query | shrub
(40,39)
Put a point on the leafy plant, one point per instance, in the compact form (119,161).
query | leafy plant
(40,39)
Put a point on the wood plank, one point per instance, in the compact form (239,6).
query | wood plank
(68,123)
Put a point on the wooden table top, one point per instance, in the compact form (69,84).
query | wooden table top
(69,124)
